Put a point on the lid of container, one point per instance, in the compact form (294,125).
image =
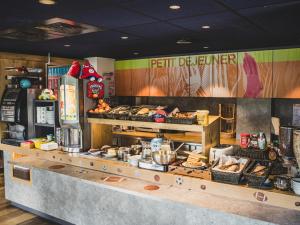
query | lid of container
(203,111)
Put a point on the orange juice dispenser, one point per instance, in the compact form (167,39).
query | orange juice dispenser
(71,133)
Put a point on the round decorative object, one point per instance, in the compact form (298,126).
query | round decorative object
(179,180)
(272,155)
(25,83)
(260,196)
(203,187)
(113,179)
(151,187)
(156,178)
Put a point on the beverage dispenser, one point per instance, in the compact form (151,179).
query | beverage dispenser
(71,133)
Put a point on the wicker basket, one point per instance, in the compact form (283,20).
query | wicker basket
(227,177)
(255,180)
(141,118)
(278,169)
(96,115)
(181,120)
(117,116)
(251,153)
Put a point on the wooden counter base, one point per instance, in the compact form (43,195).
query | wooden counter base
(273,198)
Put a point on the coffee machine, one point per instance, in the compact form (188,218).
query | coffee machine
(17,111)
(70,131)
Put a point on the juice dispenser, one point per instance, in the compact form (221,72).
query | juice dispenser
(71,133)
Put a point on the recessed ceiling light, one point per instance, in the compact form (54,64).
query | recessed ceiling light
(205,27)
(174,7)
(47,2)
(124,37)
(67,45)
(205,47)
(183,42)
(136,53)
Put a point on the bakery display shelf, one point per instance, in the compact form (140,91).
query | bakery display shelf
(153,125)
(209,135)
(187,137)
(180,137)
(273,197)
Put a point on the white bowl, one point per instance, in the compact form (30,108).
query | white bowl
(296,185)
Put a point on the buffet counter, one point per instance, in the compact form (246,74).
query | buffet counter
(85,190)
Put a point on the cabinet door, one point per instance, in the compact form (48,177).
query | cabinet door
(255,74)
(159,76)
(286,73)
(140,77)
(123,78)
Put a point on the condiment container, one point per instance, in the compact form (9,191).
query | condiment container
(262,141)
(254,141)
(245,140)
(202,117)
(282,183)
(121,150)
(286,141)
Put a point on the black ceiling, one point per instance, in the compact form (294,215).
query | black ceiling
(153,28)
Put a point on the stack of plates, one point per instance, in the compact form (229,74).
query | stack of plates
(296,185)
(50,117)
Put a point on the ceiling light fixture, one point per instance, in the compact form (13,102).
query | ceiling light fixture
(183,42)
(205,47)
(136,53)
(205,27)
(47,2)
(67,45)
(174,7)
(124,37)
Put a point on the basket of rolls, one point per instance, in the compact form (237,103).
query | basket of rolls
(229,169)
(258,172)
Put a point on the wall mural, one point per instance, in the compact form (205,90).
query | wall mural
(213,75)
(255,74)
(286,73)
(252,74)
(169,76)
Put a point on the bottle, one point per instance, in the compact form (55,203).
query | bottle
(262,141)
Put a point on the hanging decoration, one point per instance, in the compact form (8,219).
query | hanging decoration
(95,86)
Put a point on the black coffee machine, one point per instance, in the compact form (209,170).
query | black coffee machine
(17,111)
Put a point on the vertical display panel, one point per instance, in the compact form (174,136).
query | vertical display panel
(286,73)
(255,74)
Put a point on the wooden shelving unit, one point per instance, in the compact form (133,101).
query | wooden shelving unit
(208,135)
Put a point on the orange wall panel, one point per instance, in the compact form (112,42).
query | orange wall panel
(140,82)
(179,81)
(286,73)
(159,81)
(123,82)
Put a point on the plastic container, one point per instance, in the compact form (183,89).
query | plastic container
(245,140)
(202,117)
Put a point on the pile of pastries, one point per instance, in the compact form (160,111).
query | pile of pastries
(259,170)
(230,164)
